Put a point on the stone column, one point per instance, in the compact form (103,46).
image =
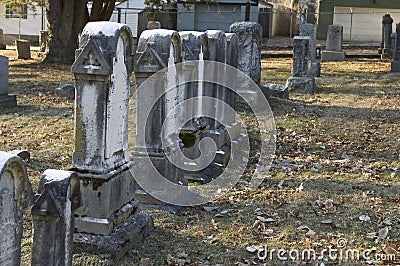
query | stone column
(157,49)
(395,65)
(6,100)
(53,221)
(309,29)
(385,49)
(102,68)
(15,196)
(249,54)
(334,44)
(300,80)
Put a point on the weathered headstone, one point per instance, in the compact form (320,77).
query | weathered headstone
(308,29)
(52,216)
(15,196)
(6,100)
(334,44)
(395,65)
(2,45)
(157,49)
(23,49)
(385,49)
(249,54)
(102,69)
(300,80)
(43,40)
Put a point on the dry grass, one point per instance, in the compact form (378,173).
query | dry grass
(336,160)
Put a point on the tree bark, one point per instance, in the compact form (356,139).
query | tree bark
(66,20)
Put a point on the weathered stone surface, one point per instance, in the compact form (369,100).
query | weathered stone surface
(15,195)
(23,49)
(6,100)
(120,241)
(327,56)
(276,90)
(395,65)
(53,221)
(249,54)
(301,46)
(301,85)
(67,91)
(23,154)
(308,29)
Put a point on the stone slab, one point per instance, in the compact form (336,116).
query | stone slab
(120,241)
(301,85)
(8,100)
(328,56)
(395,66)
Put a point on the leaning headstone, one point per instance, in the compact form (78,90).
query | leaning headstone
(308,29)
(52,216)
(6,100)
(66,90)
(334,43)
(43,40)
(395,65)
(102,69)
(385,49)
(15,196)
(2,45)
(23,49)
(300,80)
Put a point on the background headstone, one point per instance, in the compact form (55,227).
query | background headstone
(395,65)
(6,100)
(15,195)
(23,49)
(334,44)
(2,45)
(385,49)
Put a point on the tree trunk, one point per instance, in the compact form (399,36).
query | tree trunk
(66,20)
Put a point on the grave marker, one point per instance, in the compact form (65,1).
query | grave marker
(334,44)
(6,100)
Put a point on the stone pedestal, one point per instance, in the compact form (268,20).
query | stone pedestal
(6,100)
(334,44)
(23,49)
(327,56)
(102,69)
(301,85)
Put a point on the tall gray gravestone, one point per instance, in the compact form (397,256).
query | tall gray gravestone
(6,100)
(385,49)
(300,80)
(108,218)
(334,43)
(395,65)
(249,54)
(308,29)
(157,49)
(2,45)
(15,196)
(52,216)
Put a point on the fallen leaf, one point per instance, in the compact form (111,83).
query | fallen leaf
(300,188)
(387,222)
(266,220)
(198,234)
(328,221)
(311,233)
(210,208)
(382,233)
(390,251)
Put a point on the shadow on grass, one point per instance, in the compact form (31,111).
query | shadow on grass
(37,110)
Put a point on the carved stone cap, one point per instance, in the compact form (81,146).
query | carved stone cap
(153,50)
(16,167)
(98,45)
(246,26)
(387,19)
(192,42)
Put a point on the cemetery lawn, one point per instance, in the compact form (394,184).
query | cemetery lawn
(334,183)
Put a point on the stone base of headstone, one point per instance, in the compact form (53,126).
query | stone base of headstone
(395,66)
(316,69)
(277,91)
(301,85)
(23,49)
(328,56)
(9,100)
(250,95)
(120,241)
